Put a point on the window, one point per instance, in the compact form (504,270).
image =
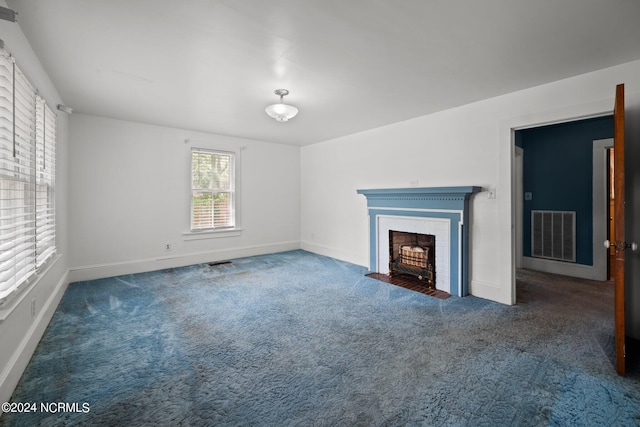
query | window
(27,172)
(212,190)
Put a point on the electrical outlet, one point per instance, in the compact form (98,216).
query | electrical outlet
(33,307)
(167,247)
(491,194)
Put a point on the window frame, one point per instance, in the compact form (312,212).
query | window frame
(32,163)
(232,191)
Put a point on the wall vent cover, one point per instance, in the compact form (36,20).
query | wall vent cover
(553,235)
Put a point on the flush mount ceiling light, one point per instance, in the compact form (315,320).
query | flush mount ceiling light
(281,111)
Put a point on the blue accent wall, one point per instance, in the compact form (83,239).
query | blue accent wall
(558,172)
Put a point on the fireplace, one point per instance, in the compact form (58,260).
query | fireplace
(412,254)
(442,212)
(440,254)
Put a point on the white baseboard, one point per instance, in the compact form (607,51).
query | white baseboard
(565,268)
(488,291)
(334,253)
(11,373)
(99,271)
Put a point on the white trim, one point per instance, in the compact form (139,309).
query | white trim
(337,253)
(11,373)
(558,267)
(600,202)
(489,291)
(453,211)
(518,189)
(211,234)
(460,260)
(99,271)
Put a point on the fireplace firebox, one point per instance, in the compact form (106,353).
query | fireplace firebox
(412,254)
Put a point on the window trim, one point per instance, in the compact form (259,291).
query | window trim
(32,139)
(212,233)
(220,232)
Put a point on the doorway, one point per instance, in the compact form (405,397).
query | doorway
(564,168)
(618,120)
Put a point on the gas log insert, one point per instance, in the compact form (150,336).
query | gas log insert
(412,254)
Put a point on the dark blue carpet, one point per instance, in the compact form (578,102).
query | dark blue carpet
(297,339)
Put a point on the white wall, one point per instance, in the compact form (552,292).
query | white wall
(129,195)
(469,145)
(20,331)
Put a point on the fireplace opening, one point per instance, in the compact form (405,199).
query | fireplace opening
(412,254)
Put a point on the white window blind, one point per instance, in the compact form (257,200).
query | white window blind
(27,164)
(8,185)
(45,177)
(212,190)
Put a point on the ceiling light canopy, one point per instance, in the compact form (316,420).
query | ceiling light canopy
(281,112)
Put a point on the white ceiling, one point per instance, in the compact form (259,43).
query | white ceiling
(350,65)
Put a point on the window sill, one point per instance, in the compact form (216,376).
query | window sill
(212,234)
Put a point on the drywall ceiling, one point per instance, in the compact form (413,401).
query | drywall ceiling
(350,65)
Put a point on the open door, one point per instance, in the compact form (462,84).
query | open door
(618,225)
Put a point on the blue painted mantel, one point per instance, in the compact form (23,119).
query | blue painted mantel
(444,203)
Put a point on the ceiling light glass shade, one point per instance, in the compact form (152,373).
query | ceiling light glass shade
(281,112)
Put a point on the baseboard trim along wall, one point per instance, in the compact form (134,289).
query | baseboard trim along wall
(334,253)
(558,267)
(10,375)
(100,271)
(488,291)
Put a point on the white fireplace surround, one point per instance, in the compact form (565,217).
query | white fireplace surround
(435,226)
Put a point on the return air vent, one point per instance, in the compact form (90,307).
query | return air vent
(553,235)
